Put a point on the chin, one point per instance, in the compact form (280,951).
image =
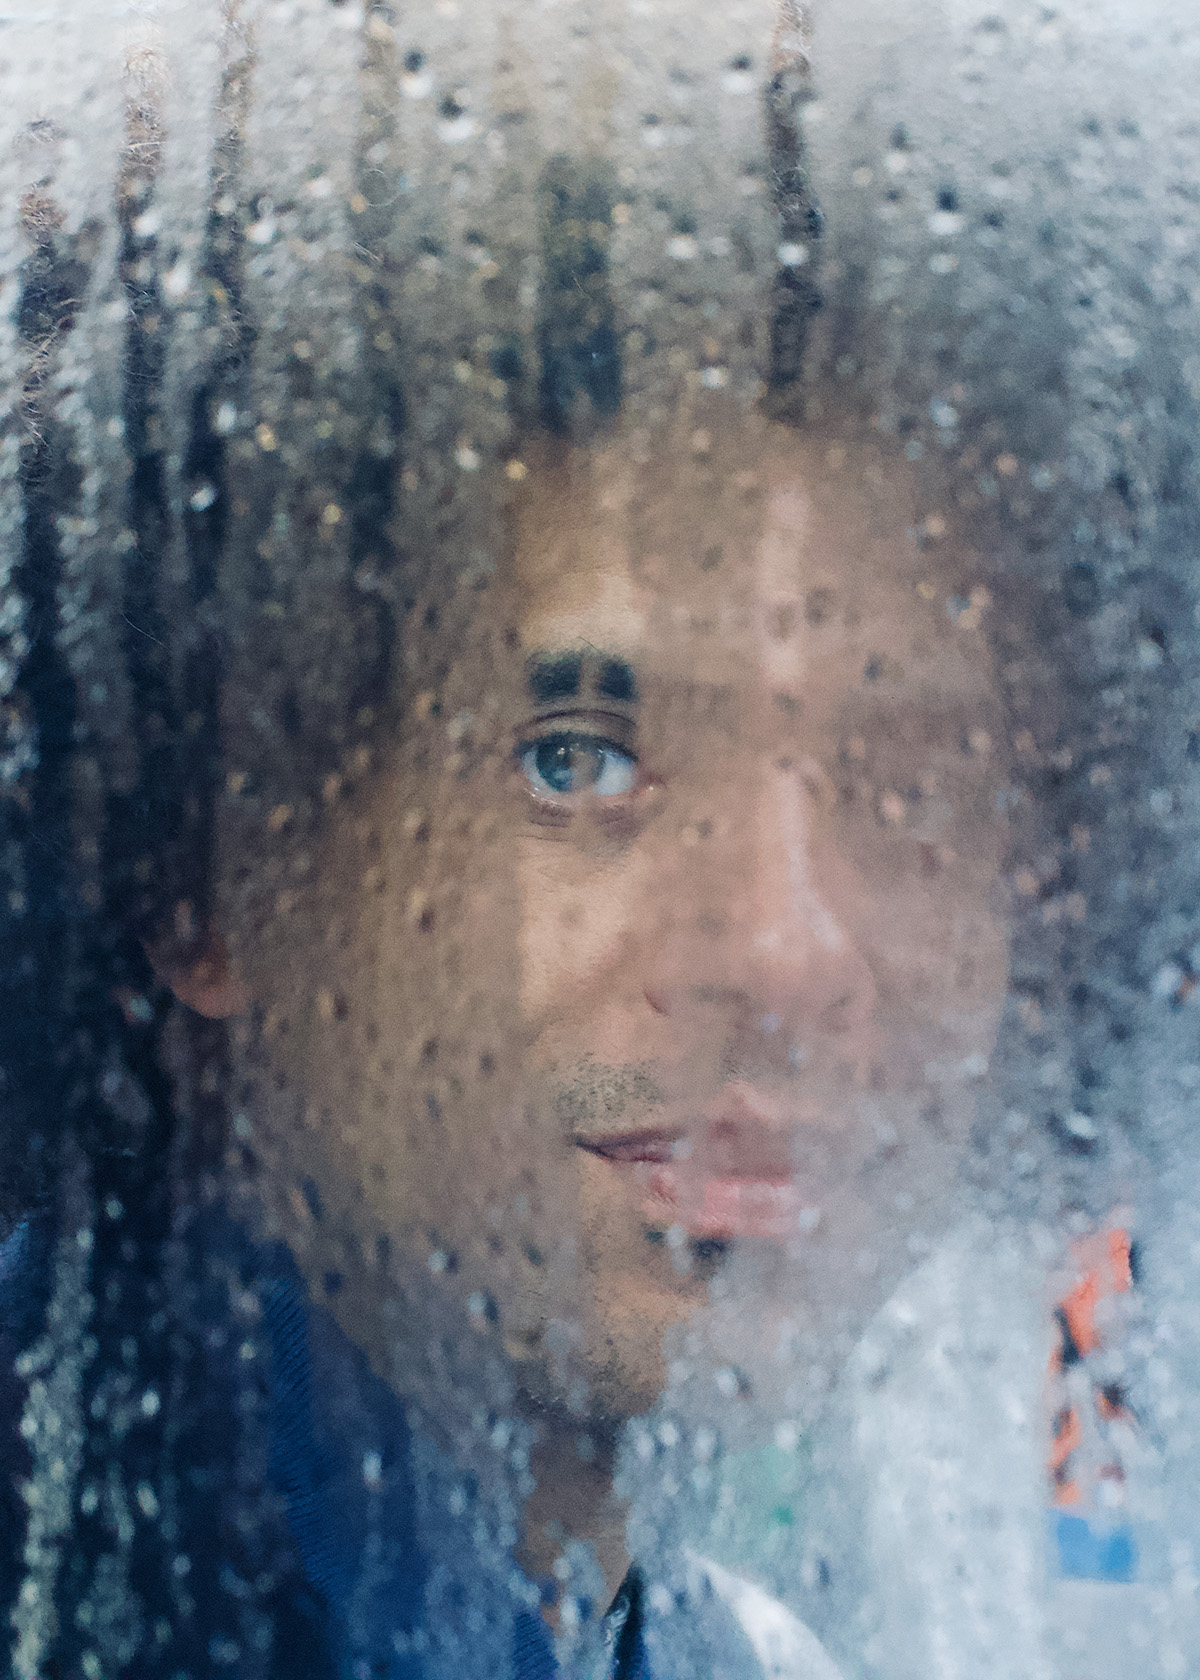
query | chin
(624,1354)
(616,1368)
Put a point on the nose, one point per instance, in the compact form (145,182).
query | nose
(755,915)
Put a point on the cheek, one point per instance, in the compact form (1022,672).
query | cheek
(981,943)
(942,965)
(577,917)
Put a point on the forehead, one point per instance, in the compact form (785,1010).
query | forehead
(725,572)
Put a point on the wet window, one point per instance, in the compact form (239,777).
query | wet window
(599,1050)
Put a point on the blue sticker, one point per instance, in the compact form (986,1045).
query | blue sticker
(1094,1553)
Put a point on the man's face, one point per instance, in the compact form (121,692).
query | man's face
(671,931)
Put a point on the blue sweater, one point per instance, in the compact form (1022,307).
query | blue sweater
(368,1594)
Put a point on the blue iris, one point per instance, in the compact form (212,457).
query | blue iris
(569,764)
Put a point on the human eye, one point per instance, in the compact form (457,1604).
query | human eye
(570,765)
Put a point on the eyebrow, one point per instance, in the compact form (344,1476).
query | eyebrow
(554,678)
(560,676)
(617,682)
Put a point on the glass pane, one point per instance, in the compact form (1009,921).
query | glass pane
(597,752)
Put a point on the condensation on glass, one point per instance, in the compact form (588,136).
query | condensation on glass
(597,760)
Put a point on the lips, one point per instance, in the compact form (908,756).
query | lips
(627,1149)
(708,1206)
(714,1198)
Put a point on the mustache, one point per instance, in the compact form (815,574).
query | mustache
(596,1096)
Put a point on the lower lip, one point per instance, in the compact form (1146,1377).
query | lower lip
(725,1207)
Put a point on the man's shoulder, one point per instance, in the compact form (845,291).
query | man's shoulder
(233,1271)
(22,1305)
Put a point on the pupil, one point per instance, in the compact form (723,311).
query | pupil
(560,764)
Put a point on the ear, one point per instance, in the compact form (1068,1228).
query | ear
(201,975)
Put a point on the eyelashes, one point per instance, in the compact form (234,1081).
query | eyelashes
(570,767)
(567,767)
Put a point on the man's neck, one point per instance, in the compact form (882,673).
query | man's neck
(573,1500)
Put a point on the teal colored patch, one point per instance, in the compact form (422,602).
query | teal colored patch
(1092,1551)
(759,1507)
